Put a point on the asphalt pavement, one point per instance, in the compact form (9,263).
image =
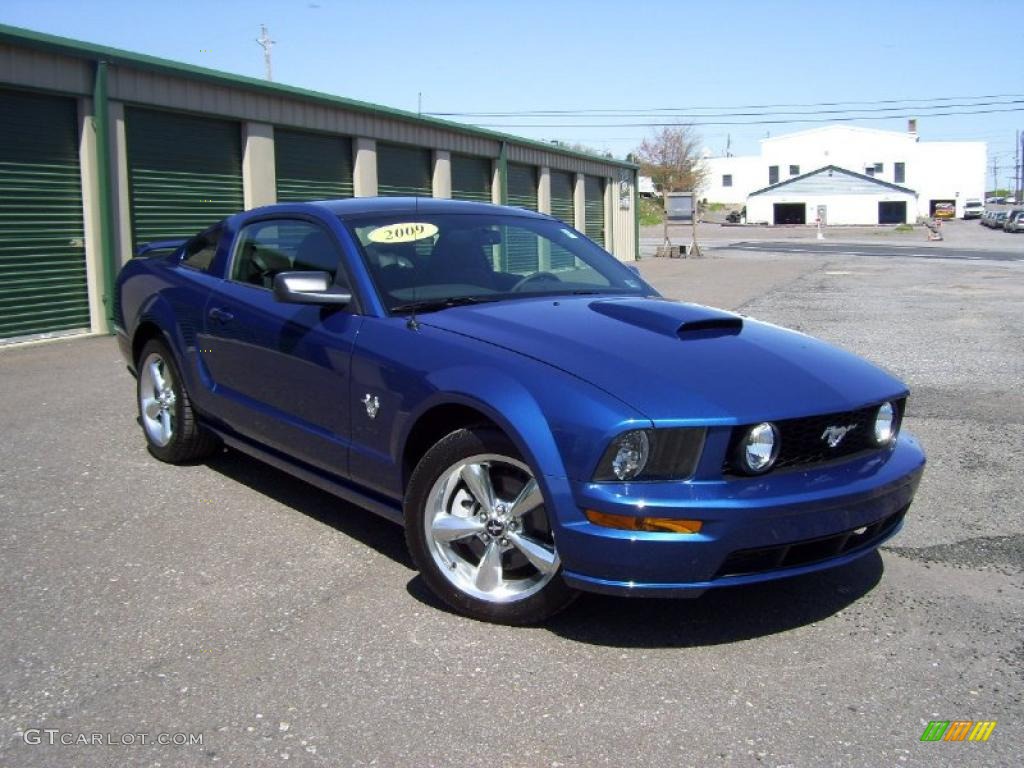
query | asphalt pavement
(885,251)
(228,603)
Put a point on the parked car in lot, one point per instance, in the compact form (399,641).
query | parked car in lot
(538,417)
(996,219)
(1014,221)
(973,209)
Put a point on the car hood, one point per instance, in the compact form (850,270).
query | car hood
(676,361)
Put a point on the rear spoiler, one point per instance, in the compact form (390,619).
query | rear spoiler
(158,248)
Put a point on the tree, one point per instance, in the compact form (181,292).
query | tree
(672,159)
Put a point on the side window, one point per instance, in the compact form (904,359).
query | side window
(265,248)
(200,250)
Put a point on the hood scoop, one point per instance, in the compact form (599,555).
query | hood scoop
(717,326)
(671,318)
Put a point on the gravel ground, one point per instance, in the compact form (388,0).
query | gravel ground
(227,600)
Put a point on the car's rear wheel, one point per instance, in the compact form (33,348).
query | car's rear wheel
(479,532)
(173,434)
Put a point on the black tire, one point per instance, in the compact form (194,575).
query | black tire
(188,440)
(530,593)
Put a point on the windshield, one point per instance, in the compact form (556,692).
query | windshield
(422,261)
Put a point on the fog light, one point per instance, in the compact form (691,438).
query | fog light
(759,448)
(885,424)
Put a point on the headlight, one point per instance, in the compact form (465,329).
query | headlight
(651,455)
(631,451)
(886,424)
(759,448)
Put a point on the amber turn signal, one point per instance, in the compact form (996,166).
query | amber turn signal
(632,523)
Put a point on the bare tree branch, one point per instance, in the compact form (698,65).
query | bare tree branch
(672,159)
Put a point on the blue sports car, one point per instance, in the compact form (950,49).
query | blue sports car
(534,413)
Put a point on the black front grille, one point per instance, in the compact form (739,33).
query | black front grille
(804,441)
(747,561)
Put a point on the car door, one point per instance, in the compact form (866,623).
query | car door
(280,372)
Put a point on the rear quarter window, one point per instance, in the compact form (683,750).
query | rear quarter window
(201,249)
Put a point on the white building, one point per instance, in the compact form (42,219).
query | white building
(931,172)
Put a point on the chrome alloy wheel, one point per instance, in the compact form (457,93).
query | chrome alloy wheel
(487,531)
(157,400)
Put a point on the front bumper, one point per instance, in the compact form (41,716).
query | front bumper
(754,529)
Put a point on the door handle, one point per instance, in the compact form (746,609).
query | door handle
(220,315)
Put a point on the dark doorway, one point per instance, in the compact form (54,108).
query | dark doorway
(892,213)
(790,213)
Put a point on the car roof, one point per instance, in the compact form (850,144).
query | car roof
(361,206)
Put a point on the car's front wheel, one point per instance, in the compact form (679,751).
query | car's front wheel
(173,434)
(479,533)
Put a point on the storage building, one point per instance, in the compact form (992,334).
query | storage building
(102,150)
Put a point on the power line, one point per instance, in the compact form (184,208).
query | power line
(677,123)
(623,112)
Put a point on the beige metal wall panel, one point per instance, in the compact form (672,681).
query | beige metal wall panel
(442,177)
(580,202)
(94,263)
(544,191)
(22,67)
(119,176)
(559,162)
(163,91)
(364,168)
(610,190)
(259,177)
(624,226)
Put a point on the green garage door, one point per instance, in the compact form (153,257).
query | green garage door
(471,178)
(522,192)
(184,172)
(312,166)
(593,193)
(403,171)
(42,238)
(563,208)
(563,205)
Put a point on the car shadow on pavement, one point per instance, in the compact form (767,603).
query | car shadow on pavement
(721,615)
(353,521)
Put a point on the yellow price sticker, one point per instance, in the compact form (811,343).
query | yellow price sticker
(407,232)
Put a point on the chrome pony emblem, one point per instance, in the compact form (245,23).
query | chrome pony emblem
(372,405)
(834,435)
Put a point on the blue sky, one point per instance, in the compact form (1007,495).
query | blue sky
(521,55)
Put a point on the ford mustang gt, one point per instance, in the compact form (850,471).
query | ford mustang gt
(534,413)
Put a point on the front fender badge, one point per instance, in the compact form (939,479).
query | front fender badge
(372,405)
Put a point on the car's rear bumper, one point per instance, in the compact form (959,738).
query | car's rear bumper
(754,530)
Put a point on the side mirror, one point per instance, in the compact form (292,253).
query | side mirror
(308,288)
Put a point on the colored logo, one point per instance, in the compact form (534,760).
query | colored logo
(958,730)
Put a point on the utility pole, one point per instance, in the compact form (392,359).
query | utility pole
(1018,169)
(266,44)
(995,174)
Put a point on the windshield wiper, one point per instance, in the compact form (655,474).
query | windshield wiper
(433,305)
